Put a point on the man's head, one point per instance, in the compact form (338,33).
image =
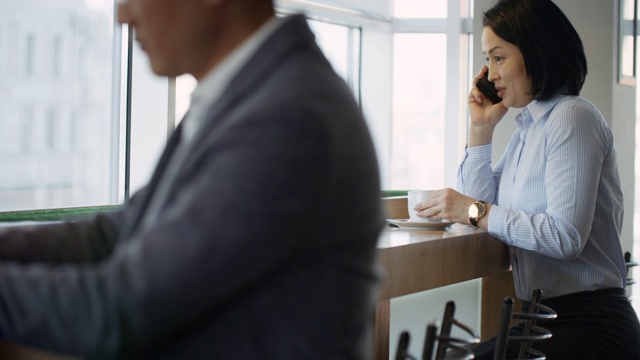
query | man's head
(191,36)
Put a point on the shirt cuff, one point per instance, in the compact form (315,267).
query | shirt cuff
(478,153)
(497,222)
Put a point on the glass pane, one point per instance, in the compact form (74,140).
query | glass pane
(435,9)
(149,110)
(626,56)
(185,85)
(626,39)
(58,113)
(334,42)
(418,130)
(341,45)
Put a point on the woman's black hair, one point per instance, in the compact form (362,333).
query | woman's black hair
(551,47)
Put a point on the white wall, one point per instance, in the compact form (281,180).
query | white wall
(595,21)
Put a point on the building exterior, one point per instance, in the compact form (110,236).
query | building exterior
(57,103)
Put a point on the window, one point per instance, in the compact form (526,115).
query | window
(431,78)
(67,112)
(149,123)
(418,127)
(341,45)
(58,112)
(83,117)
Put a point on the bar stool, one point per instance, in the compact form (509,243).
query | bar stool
(531,332)
(402,352)
(629,264)
(444,341)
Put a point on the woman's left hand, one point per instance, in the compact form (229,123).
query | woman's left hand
(446,204)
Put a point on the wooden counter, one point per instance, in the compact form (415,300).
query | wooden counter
(415,260)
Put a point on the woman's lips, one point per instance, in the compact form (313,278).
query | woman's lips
(500,92)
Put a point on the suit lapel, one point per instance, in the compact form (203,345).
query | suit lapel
(293,34)
(167,153)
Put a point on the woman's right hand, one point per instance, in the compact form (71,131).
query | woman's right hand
(483,113)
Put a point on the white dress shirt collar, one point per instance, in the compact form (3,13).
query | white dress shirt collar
(211,87)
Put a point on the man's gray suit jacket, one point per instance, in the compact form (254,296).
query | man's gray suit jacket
(263,248)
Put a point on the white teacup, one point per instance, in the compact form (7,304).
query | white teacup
(414,197)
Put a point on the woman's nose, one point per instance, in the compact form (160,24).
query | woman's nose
(493,75)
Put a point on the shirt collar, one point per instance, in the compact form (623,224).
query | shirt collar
(539,108)
(212,85)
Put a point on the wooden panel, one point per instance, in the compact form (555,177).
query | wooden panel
(494,290)
(382,329)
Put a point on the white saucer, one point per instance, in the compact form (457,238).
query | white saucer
(408,224)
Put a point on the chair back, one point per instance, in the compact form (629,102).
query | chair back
(629,264)
(444,341)
(402,352)
(531,332)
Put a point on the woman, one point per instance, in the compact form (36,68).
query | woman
(554,197)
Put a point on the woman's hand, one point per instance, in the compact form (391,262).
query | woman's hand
(484,114)
(446,204)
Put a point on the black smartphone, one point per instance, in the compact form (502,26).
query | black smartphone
(488,88)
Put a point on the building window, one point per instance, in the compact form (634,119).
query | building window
(30,54)
(51,129)
(56,56)
(26,129)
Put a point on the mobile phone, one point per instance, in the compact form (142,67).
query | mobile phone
(488,89)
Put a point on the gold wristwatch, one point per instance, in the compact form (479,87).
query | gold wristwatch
(476,211)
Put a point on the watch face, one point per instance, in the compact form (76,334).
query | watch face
(473,211)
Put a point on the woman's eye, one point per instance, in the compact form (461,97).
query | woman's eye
(497,58)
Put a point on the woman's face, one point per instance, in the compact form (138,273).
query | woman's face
(506,70)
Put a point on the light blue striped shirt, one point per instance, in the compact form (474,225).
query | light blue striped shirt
(557,196)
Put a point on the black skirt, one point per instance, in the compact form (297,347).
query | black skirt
(597,325)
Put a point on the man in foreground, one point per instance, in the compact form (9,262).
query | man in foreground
(256,236)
